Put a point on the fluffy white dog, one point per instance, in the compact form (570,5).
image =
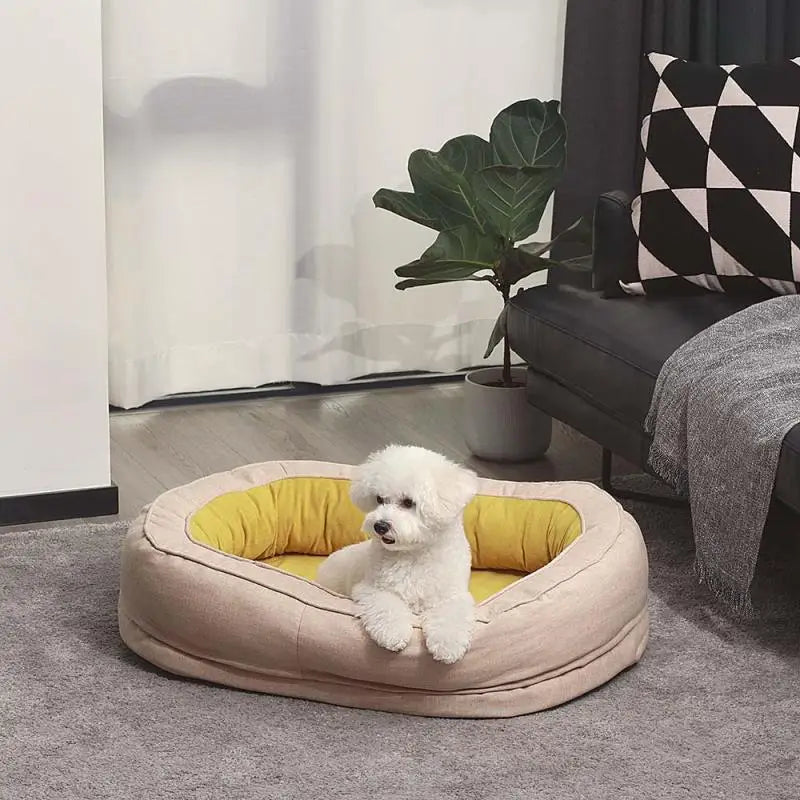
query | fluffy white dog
(417,560)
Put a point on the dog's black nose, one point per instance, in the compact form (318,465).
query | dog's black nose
(382,528)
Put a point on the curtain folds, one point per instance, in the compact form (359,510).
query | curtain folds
(244,142)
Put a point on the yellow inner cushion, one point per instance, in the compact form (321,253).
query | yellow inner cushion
(294,523)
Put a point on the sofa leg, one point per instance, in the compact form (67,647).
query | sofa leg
(625,494)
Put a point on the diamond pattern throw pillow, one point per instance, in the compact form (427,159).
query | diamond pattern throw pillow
(719,206)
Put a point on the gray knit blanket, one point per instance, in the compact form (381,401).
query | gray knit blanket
(723,404)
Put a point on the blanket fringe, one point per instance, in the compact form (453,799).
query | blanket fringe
(669,470)
(737,600)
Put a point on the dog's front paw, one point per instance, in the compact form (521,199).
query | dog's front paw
(393,636)
(447,648)
(386,618)
(448,628)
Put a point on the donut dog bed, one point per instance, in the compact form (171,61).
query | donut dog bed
(217,583)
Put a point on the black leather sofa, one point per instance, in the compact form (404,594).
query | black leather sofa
(594,354)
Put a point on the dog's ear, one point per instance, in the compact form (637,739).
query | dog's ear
(462,487)
(452,490)
(362,487)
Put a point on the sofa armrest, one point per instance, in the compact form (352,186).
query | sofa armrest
(614,256)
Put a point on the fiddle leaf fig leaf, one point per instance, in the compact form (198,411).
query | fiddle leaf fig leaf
(457,253)
(412,206)
(514,198)
(530,133)
(498,332)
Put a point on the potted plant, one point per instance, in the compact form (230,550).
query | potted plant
(486,199)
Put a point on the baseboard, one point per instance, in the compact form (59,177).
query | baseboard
(23,509)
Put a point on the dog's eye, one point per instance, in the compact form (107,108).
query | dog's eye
(407,502)
(380,500)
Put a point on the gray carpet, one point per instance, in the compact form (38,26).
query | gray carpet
(713,710)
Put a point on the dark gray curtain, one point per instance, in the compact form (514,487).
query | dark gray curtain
(722,31)
(604,44)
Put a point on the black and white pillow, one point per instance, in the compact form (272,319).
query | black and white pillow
(720,194)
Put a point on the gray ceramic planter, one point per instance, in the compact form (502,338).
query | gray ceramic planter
(499,423)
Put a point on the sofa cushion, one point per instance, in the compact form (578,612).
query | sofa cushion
(609,349)
(720,188)
(609,352)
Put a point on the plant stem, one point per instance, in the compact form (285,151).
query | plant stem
(506,290)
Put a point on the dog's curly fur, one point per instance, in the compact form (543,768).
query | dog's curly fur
(417,561)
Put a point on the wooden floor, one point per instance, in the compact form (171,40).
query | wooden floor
(156,450)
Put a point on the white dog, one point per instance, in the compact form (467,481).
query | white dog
(418,558)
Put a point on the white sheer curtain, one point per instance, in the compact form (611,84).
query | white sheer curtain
(244,141)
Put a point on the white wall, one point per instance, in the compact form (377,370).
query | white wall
(53,332)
